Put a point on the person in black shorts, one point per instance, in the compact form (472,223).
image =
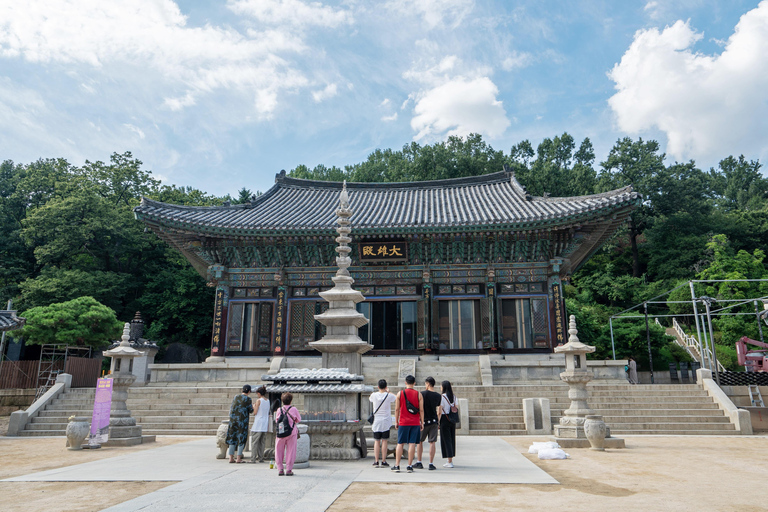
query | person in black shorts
(431,403)
(381,404)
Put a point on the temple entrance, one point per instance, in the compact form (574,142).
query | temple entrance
(250,327)
(391,324)
(459,328)
(524,323)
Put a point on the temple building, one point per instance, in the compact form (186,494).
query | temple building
(466,265)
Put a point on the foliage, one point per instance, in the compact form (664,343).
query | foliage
(82,322)
(69,232)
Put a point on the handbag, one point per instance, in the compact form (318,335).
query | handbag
(453,415)
(373,414)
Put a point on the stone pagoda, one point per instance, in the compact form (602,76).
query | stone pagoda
(342,347)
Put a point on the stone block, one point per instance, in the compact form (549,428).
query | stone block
(405,367)
(537,416)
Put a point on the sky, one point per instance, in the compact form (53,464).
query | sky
(223,94)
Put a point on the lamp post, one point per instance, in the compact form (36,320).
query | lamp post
(759,324)
(648,339)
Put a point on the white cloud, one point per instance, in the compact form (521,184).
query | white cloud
(516,60)
(385,102)
(653,9)
(292,12)
(435,13)
(329,92)
(135,129)
(141,36)
(458,107)
(391,118)
(708,105)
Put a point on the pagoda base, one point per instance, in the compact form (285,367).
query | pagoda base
(610,442)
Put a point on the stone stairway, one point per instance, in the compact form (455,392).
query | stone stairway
(678,409)
(52,421)
(640,409)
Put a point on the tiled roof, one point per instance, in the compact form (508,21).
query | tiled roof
(315,374)
(296,205)
(9,321)
(357,387)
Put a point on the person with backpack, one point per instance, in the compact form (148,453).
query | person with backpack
(382,421)
(448,416)
(409,420)
(287,418)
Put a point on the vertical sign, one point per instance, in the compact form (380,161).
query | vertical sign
(560,337)
(217,311)
(279,319)
(102,407)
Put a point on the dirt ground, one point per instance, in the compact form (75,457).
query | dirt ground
(651,474)
(21,456)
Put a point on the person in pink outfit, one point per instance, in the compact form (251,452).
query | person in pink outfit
(285,447)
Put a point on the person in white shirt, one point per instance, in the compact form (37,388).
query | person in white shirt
(382,401)
(260,425)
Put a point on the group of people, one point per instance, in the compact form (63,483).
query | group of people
(418,418)
(237,432)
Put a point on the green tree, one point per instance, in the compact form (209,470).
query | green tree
(633,163)
(82,322)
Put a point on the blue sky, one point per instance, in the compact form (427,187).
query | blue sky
(223,94)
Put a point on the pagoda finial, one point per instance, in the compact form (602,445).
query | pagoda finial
(573,338)
(344,197)
(126,335)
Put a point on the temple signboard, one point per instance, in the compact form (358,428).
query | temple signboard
(383,251)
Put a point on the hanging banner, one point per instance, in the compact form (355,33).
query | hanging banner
(102,407)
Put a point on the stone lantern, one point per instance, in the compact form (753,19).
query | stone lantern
(576,375)
(123,430)
(571,432)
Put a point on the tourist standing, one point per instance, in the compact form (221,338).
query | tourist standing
(260,425)
(448,404)
(382,421)
(237,432)
(632,370)
(429,433)
(409,418)
(285,447)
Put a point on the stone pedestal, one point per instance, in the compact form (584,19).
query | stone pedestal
(303,448)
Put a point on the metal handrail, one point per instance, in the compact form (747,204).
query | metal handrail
(690,341)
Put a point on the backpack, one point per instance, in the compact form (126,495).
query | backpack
(284,426)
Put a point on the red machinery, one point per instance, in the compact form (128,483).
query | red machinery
(755,360)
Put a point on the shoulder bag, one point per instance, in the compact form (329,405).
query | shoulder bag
(371,417)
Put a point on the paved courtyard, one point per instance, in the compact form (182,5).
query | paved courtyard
(492,473)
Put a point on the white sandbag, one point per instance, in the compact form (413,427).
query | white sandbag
(552,454)
(548,445)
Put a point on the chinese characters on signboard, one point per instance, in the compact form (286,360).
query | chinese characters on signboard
(102,407)
(279,319)
(383,251)
(558,313)
(219,304)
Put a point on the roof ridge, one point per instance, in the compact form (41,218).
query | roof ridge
(601,195)
(494,177)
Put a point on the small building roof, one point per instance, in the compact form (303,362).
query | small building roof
(9,321)
(298,206)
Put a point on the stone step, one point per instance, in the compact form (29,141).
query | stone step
(672,418)
(497,432)
(179,426)
(685,432)
(45,427)
(161,406)
(180,420)
(182,432)
(36,433)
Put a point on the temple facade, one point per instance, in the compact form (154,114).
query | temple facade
(466,265)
